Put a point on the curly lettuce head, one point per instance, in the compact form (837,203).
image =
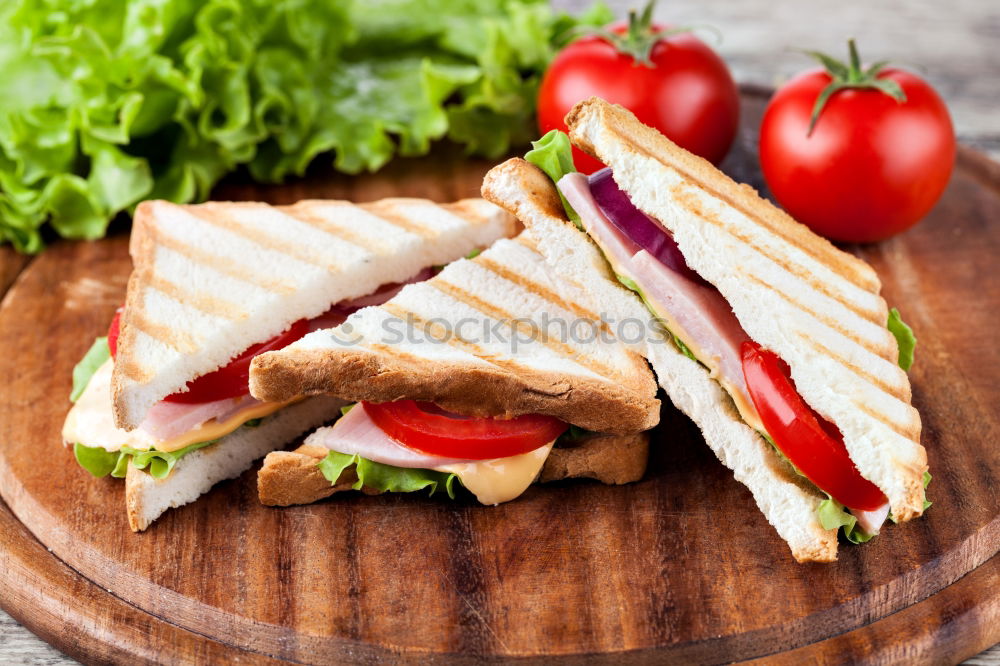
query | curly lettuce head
(109,102)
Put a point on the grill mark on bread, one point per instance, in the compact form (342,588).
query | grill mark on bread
(873,347)
(200,301)
(519,325)
(391,214)
(306,214)
(510,365)
(687,201)
(224,265)
(179,340)
(900,429)
(465,209)
(528,241)
(133,370)
(539,289)
(878,382)
(220,217)
(772,219)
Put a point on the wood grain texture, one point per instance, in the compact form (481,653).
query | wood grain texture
(678,567)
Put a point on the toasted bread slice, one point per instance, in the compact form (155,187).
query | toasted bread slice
(210,280)
(146,498)
(787,502)
(490,336)
(292,477)
(793,292)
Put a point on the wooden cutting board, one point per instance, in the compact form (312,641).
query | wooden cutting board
(679,567)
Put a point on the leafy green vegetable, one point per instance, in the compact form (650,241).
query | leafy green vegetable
(553,154)
(108,102)
(927,482)
(904,338)
(832,516)
(100,463)
(347,408)
(95,460)
(161,463)
(88,365)
(386,477)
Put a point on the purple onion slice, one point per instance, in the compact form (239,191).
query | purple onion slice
(636,225)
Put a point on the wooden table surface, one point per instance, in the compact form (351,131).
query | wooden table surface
(952,43)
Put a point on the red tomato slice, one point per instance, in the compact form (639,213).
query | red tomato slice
(814,445)
(233,380)
(229,381)
(114,330)
(425,427)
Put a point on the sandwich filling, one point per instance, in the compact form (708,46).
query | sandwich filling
(212,406)
(406,446)
(644,256)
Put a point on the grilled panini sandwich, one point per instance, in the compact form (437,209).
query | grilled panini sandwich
(474,375)
(779,347)
(164,401)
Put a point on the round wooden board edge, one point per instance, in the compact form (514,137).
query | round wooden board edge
(86,621)
(92,624)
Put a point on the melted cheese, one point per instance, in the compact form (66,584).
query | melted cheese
(501,479)
(90,422)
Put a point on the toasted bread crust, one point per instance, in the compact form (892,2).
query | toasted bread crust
(610,459)
(293,477)
(474,390)
(871,404)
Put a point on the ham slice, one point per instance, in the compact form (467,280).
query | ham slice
(695,313)
(167,420)
(356,433)
(702,315)
(871,521)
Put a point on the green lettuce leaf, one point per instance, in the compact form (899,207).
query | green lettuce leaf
(553,154)
(927,482)
(159,464)
(96,460)
(108,102)
(832,515)
(904,338)
(88,365)
(386,477)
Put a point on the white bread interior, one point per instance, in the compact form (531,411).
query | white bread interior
(146,498)
(210,280)
(787,502)
(592,381)
(793,292)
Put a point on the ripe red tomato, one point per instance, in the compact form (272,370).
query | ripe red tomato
(872,166)
(424,427)
(687,94)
